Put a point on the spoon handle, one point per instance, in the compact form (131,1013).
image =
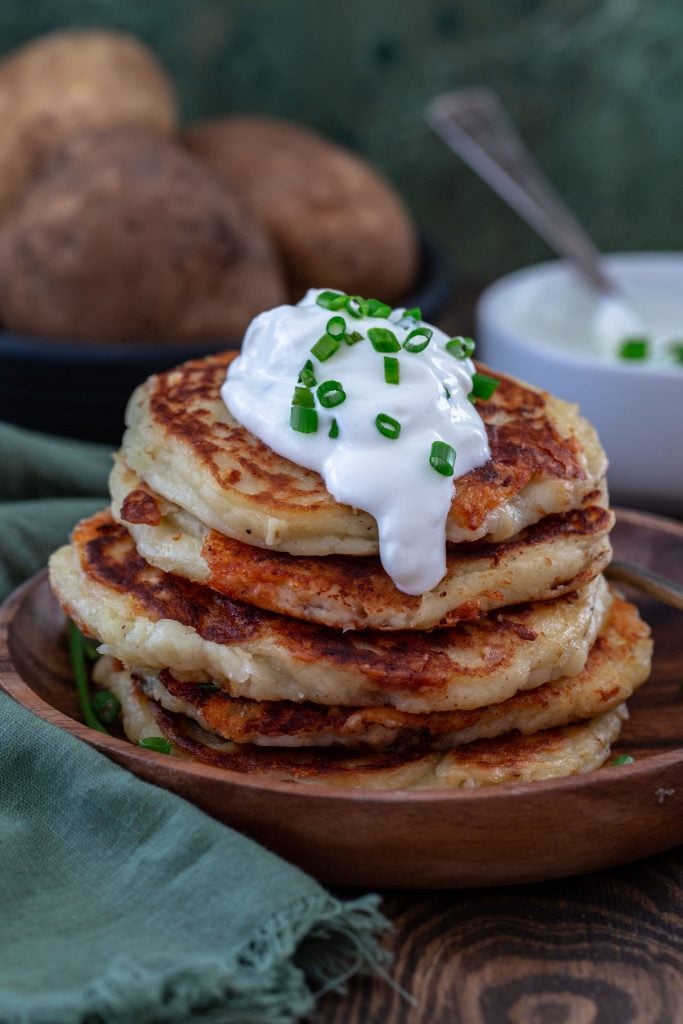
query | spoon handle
(650,583)
(475,125)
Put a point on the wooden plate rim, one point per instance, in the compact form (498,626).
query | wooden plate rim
(15,686)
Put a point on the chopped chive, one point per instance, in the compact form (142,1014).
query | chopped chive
(76,641)
(447,392)
(304,398)
(208,688)
(383,340)
(302,419)
(375,308)
(676,348)
(331,393)
(353,337)
(90,649)
(461,348)
(106,706)
(623,759)
(158,743)
(336,327)
(391,370)
(387,426)
(331,300)
(334,429)
(325,347)
(483,386)
(354,306)
(424,333)
(442,458)
(634,348)
(415,313)
(307,377)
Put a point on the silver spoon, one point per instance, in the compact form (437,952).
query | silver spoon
(474,124)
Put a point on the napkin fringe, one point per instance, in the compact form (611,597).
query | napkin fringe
(315,946)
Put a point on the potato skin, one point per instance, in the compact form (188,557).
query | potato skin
(336,222)
(66,82)
(126,237)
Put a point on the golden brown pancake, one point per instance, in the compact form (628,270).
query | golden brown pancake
(153,620)
(184,443)
(553,753)
(560,553)
(618,663)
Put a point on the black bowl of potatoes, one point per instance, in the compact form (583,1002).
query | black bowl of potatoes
(128,246)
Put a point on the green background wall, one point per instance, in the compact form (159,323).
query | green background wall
(595,87)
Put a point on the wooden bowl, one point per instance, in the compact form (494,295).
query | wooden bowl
(426,839)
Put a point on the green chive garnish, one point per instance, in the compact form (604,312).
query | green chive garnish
(334,429)
(208,688)
(483,386)
(623,759)
(461,348)
(106,706)
(676,348)
(442,458)
(634,348)
(302,419)
(383,340)
(418,339)
(387,426)
(354,305)
(304,398)
(307,377)
(331,300)
(336,327)
(158,743)
(77,653)
(391,370)
(325,347)
(415,313)
(447,392)
(331,393)
(373,307)
(353,337)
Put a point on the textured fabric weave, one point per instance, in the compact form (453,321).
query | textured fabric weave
(121,903)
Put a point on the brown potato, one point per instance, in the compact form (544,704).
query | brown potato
(65,82)
(336,222)
(126,237)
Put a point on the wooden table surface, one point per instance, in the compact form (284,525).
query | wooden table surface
(605,948)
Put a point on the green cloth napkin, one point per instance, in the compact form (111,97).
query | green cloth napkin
(121,903)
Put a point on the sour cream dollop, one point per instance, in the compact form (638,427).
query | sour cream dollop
(392,479)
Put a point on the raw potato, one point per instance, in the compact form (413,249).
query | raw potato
(69,81)
(336,222)
(126,237)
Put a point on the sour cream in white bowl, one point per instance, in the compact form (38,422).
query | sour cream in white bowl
(543,325)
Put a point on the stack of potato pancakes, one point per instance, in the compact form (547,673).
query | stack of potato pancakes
(245,619)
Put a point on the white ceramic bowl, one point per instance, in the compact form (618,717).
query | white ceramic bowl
(637,407)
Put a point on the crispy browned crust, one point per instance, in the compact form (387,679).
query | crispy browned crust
(257,575)
(140,506)
(417,661)
(510,754)
(523,441)
(242,720)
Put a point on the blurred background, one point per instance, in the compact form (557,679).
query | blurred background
(593,87)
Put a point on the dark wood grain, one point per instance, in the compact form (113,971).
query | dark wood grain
(605,948)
